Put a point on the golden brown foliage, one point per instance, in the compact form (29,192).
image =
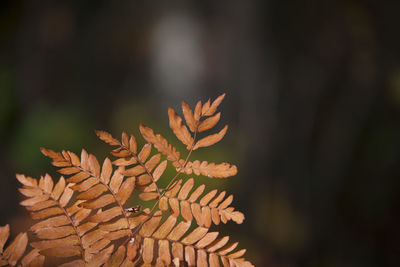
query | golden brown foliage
(85,218)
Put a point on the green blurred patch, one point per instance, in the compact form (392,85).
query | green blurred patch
(53,127)
(127,117)
(279,223)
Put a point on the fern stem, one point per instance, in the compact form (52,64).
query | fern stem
(166,189)
(70,218)
(183,166)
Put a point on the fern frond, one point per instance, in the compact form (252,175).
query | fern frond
(211,170)
(165,243)
(63,229)
(211,208)
(196,124)
(98,189)
(211,139)
(83,218)
(127,153)
(15,250)
(209,123)
(209,110)
(161,144)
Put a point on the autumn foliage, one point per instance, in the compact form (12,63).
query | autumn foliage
(84,217)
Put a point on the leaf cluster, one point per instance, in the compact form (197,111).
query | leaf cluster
(85,218)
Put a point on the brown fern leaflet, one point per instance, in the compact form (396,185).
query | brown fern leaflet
(85,217)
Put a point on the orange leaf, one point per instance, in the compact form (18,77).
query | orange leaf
(179,231)
(94,166)
(117,234)
(126,190)
(197,111)
(159,170)
(117,258)
(58,189)
(209,123)
(165,228)
(106,215)
(51,222)
(152,162)
(16,249)
(201,258)
(33,259)
(92,193)
(159,143)
(43,214)
(116,179)
(107,137)
(211,139)
(189,117)
(115,225)
(144,153)
(213,108)
(132,144)
(100,202)
(80,176)
(148,247)
(106,171)
(190,256)
(194,236)
(4,234)
(148,196)
(188,185)
(54,232)
(207,239)
(125,161)
(163,252)
(69,170)
(180,130)
(135,171)
(62,252)
(151,225)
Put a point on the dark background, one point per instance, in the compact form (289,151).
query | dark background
(313,103)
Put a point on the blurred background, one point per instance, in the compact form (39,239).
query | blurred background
(313,104)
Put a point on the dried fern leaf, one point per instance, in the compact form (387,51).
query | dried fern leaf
(161,144)
(4,234)
(100,258)
(60,230)
(212,208)
(99,185)
(180,130)
(195,247)
(208,110)
(117,258)
(211,170)
(209,123)
(107,137)
(33,259)
(189,117)
(89,226)
(197,111)
(127,151)
(211,139)
(13,253)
